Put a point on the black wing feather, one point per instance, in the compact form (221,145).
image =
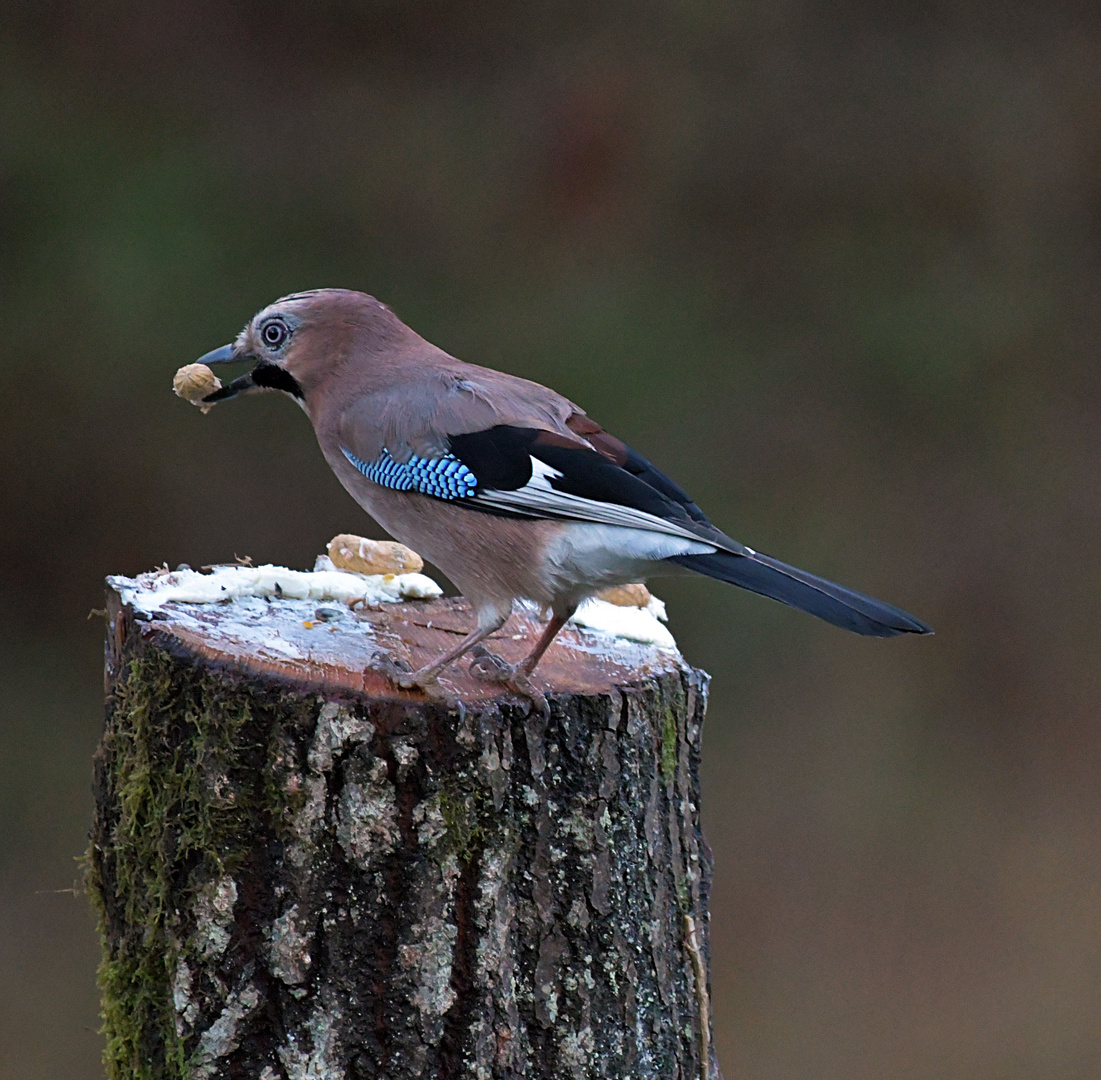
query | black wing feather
(500,459)
(640,467)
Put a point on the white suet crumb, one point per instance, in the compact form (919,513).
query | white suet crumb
(238,582)
(632,623)
(363,556)
(636,595)
(193,382)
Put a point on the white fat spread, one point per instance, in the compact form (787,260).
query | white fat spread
(248,585)
(239,582)
(634,624)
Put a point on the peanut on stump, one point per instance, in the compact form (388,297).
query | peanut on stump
(636,595)
(363,556)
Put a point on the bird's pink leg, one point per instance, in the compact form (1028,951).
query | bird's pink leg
(427,674)
(550,632)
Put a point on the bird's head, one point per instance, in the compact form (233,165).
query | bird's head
(298,342)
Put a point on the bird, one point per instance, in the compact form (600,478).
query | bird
(508,487)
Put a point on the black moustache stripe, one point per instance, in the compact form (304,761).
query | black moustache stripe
(277,378)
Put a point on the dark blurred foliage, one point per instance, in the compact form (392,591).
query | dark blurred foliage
(835,267)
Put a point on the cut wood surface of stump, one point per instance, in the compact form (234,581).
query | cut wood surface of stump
(304,872)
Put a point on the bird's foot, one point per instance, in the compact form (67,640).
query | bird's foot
(400,673)
(490,667)
(418,680)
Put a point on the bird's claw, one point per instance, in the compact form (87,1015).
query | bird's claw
(492,668)
(401,673)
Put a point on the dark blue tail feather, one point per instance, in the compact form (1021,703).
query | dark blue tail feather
(834,603)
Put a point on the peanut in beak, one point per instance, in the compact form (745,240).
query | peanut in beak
(193,382)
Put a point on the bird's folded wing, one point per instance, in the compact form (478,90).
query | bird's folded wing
(544,474)
(501,444)
(539,499)
(541,473)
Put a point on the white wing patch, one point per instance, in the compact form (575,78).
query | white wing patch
(537,498)
(542,474)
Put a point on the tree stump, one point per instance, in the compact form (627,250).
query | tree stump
(302,872)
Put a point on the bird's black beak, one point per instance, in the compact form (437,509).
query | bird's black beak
(225,355)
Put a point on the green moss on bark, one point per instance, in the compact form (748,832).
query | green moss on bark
(185,770)
(465,818)
(668,743)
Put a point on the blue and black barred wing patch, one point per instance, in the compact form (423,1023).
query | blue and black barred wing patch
(444,477)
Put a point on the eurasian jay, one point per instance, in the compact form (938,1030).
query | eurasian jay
(508,487)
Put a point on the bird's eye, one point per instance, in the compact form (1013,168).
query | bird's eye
(274,333)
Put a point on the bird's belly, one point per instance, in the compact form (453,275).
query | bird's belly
(492,559)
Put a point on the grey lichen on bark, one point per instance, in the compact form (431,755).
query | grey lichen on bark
(298,883)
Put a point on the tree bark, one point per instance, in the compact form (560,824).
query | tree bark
(303,872)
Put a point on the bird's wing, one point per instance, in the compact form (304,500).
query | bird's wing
(507,446)
(543,474)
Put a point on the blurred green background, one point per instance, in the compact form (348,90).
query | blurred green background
(836,267)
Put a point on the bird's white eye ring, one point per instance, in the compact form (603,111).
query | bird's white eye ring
(274,333)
